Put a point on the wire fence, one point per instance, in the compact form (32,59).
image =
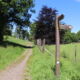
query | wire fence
(68,51)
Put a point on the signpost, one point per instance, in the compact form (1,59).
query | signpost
(57,35)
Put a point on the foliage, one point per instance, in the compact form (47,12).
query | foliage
(21,33)
(16,11)
(70,37)
(45,27)
(45,23)
(78,35)
(32,30)
(74,37)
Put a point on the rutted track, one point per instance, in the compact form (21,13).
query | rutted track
(16,72)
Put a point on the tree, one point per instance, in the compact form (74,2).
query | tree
(69,37)
(25,35)
(45,24)
(78,35)
(74,37)
(32,30)
(21,33)
(16,11)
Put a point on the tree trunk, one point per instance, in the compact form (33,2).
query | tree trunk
(1,36)
(2,30)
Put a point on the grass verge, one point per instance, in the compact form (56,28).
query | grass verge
(10,53)
(42,65)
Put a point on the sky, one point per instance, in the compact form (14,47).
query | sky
(70,9)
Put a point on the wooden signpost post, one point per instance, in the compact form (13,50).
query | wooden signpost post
(57,35)
(57,55)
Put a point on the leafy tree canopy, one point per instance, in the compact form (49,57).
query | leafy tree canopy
(17,11)
(45,23)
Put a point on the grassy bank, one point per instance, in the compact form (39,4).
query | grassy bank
(10,51)
(42,65)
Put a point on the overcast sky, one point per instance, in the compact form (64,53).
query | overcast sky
(70,8)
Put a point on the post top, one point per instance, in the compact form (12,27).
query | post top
(60,17)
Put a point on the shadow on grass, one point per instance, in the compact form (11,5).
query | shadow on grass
(8,43)
(53,69)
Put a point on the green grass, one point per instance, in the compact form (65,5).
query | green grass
(42,65)
(16,40)
(10,53)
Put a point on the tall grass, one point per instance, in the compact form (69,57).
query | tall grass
(42,65)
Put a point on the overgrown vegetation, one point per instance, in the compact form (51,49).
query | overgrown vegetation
(42,65)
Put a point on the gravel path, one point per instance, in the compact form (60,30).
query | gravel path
(16,72)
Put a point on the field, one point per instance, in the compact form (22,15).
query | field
(42,65)
(10,50)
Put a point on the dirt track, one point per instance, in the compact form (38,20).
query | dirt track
(16,72)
